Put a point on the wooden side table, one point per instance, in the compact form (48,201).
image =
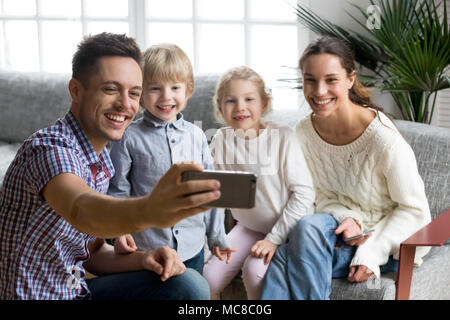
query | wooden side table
(433,234)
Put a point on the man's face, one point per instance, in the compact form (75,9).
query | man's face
(111,100)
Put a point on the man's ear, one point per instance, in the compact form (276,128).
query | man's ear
(75,90)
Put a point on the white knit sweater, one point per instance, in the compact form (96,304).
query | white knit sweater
(284,191)
(374,180)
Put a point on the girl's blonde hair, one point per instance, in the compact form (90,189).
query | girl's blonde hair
(241,73)
(166,62)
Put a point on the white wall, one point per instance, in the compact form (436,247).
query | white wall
(336,12)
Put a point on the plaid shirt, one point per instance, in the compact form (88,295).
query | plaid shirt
(41,254)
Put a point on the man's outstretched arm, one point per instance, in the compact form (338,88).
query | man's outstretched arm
(104,216)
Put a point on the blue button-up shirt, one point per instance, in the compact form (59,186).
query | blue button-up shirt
(148,149)
(41,254)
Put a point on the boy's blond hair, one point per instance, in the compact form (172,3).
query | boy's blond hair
(241,73)
(166,62)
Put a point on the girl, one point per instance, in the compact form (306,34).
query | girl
(284,188)
(365,177)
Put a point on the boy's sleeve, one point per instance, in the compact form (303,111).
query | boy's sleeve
(214,218)
(119,185)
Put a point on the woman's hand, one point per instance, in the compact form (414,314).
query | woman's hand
(124,244)
(349,228)
(359,274)
(220,253)
(264,249)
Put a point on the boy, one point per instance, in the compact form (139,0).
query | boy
(152,144)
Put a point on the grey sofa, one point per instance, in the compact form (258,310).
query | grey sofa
(30,101)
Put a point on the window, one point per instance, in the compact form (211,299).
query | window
(441,115)
(42,35)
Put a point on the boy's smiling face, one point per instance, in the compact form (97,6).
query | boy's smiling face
(165,99)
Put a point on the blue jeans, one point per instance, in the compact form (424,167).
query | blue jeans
(303,268)
(196,262)
(147,285)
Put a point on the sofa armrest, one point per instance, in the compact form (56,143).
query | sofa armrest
(436,233)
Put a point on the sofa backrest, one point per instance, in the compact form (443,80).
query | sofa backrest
(431,146)
(34,100)
(31,101)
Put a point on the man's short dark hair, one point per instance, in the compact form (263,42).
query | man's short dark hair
(84,62)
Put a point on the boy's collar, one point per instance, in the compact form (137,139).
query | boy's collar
(156,122)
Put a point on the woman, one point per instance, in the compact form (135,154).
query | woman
(365,175)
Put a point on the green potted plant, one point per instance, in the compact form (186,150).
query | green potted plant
(407,48)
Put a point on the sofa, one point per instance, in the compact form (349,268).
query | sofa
(30,101)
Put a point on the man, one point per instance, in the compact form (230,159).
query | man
(54,214)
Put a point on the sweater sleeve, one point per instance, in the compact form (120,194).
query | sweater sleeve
(300,188)
(406,189)
(329,203)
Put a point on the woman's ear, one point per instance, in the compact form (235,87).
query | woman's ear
(351,79)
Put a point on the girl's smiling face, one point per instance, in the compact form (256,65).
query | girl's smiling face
(242,105)
(326,83)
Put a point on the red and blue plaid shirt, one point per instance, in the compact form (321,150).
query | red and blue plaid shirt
(41,254)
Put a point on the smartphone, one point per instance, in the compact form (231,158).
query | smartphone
(237,188)
(365,233)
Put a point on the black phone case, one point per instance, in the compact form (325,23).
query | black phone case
(237,189)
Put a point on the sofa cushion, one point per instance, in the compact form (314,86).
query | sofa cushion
(382,289)
(430,281)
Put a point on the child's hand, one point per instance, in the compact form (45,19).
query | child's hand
(124,244)
(264,249)
(220,253)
